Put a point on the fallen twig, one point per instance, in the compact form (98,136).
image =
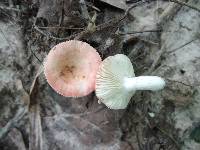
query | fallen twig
(167,15)
(138,135)
(35,56)
(95,8)
(135,32)
(165,133)
(131,7)
(19,115)
(58,27)
(178,48)
(49,35)
(11,9)
(21,110)
(185,4)
(84,9)
(170,80)
(79,35)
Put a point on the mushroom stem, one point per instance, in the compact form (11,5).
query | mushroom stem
(152,83)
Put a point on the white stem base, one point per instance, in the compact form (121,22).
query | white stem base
(152,83)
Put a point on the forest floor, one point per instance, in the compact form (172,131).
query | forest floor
(161,37)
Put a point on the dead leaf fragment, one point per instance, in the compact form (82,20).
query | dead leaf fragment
(116,3)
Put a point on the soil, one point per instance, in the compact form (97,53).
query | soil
(160,37)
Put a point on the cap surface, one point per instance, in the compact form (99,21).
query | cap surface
(70,68)
(109,82)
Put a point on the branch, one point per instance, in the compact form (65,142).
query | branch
(178,48)
(19,115)
(145,31)
(185,4)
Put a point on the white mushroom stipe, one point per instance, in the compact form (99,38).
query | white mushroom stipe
(116,82)
(152,83)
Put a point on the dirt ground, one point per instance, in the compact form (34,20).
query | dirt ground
(161,37)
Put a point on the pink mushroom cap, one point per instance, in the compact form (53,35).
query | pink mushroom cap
(70,68)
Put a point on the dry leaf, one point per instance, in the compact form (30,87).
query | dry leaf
(116,3)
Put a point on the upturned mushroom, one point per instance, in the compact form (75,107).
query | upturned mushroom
(116,82)
(70,68)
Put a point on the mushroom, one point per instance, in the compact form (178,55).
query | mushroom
(116,82)
(70,68)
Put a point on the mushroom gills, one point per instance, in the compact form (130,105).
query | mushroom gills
(116,82)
